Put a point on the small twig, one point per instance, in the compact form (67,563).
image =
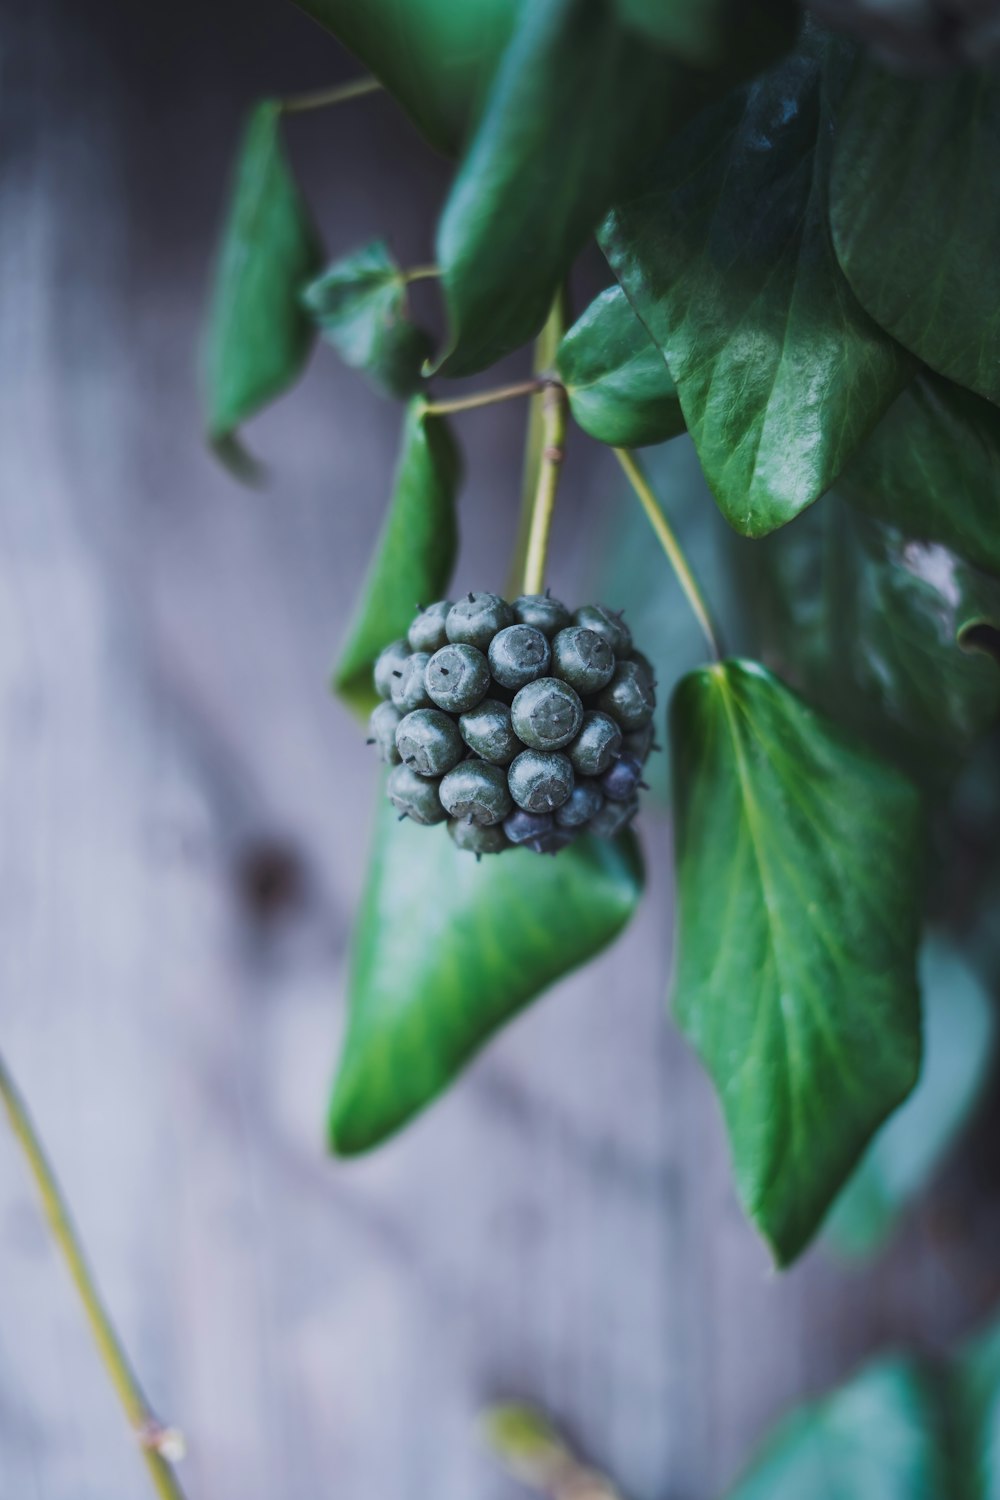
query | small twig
(157,1443)
(421,273)
(343,93)
(486,398)
(554,421)
(671,546)
(528,1446)
(546,348)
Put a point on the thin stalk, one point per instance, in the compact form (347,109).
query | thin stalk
(343,93)
(151,1435)
(546,345)
(421,273)
(671,546)
(555,413)
(485,398)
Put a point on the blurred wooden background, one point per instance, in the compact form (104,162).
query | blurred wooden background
(184,815)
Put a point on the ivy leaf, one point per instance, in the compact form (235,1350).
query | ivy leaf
(619,387)
(915,211)
(932,469)
(799,893)
(575,102)
(448,949)
(728,262)
(414,555)
(878,1438)
(706,33)
(435,57)
(359,305)
(959,1035)
(258,336)
(975,1414)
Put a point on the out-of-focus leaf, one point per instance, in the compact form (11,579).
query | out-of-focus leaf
(448,949)
(915,214)
(414,555)
(728,262)
(975,1412)
(435,56)
(619,387)
(258,335)
(706,33)
(932,469)
(359,305)
(959,1032)
(877,1438)
(799,860)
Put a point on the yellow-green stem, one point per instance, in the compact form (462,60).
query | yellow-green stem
(421,273)
(343,93)
(554,419)
(546,347)
(668,541)
(147,1429)
(484,398)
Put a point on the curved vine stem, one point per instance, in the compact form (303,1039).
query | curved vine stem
(153,1438)
(671,546)
(546,346)
(484,398)
(343,93)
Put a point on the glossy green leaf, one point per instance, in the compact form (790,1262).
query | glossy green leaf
(414,555)
(620,390)
(258,336)
(448,949)
(975,1411)
(877,1438)
(359,305)
(915,214)
(728,262)
(799,892)
(706,33)
(959,1035)
(932,468)
(575,102)
(435,56)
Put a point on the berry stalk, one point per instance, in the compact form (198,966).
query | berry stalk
(554,421)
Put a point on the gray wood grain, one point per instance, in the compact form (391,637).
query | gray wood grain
(184,817)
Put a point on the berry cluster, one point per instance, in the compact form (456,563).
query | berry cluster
(520,723)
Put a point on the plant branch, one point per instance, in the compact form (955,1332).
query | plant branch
(554,417)
(546,346)
(421,273)
(486,398)
(343,93)
(154,1439)
(671,546)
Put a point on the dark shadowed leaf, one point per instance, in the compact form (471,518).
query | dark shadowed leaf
(707,32)
(359,306)
(915,213)
(728,262)
(975,1413)
(435,56)
(799,862)
(414,555)
(258,335)
(959,1034)
(932,468)
(619,387)
(448,949)
(876,1439)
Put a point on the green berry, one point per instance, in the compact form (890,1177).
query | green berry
(415,796)
(476,838)
(639,741)
(518,654)
(382,728)
(390,661)
(458,678)
(612,818)
(409,688)
(596,746)
(429,741)
(584,801)
(427,633)
(628,697)
(621,779)
(582,658)
(477,790)
(543,612)
(608,624)
(540,780)
(475,620)
(524,827)
(487,730)
(546,714)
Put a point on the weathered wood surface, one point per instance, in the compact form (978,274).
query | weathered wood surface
(184,816)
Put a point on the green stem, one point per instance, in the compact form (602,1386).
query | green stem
(671,546)
(485,398)
(421,273)
(554,419)
(152,1436)
(323,98)
(546,347)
